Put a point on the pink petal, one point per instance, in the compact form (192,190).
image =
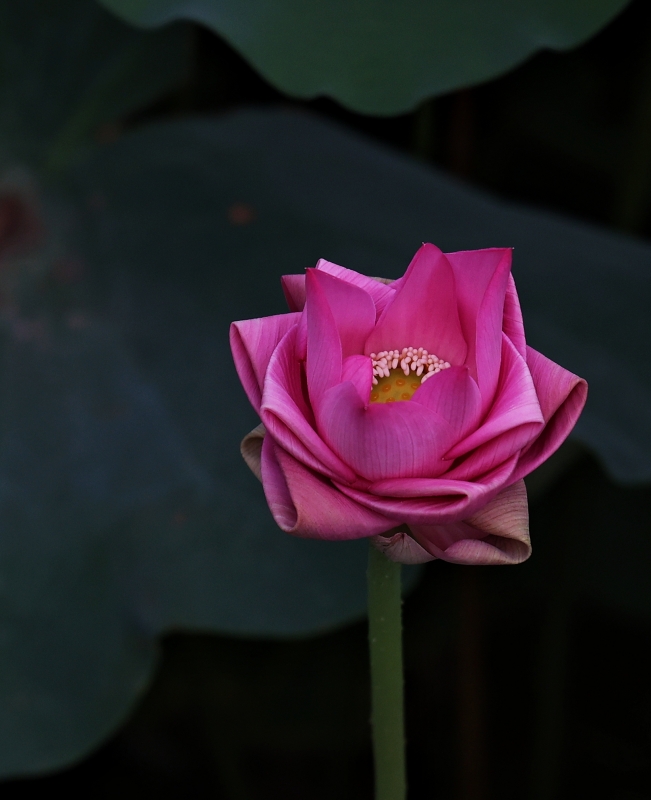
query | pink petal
(497,534)
(481,277)
(562,396)
(294,286)
(301,337)
(294,291)
(383,440)
(503,449)
(512,324)
(401,548)
(423,311)
(359,371)
(473,272)
(389,490)
(352,308)
(435,501)
(454,396)
(380,292)
(324,353)
(447,486)
(252,343)
(306,504)
(554,384)
(488,337)
(251,449)
(516,403)
(288,416)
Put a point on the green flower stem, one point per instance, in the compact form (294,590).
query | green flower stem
(387,695)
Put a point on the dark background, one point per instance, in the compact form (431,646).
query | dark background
(541,698)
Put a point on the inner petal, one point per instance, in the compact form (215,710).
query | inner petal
(398,373)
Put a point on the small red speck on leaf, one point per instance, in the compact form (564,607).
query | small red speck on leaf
(21,228)
(241,214)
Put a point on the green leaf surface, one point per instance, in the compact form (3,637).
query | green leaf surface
(305,189)
(379,56)
(69,67)
(125,506)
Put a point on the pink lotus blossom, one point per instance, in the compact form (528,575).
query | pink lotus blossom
(407,411)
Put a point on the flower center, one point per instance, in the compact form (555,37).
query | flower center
(398,373)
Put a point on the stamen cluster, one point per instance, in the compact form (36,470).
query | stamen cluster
(410,359)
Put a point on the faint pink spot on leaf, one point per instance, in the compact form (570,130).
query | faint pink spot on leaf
(241,214)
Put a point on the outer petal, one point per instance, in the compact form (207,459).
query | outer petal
(489,456)
(562,396)
(402,548)
(435,501)
(423,311)
(481,279)
(473,271)
(512,324)
(251,450)
(294,291)
(324,355)
(378,289)
(352,308)
(516,404)
(383,440)
(288,416)
(488,342)
(485,346)
(306,504)
(497,534)
(252,343)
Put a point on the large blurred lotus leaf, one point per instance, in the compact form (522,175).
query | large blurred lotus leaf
(592,544)
(381,56)
(233,203)
(126,509)
(68,67)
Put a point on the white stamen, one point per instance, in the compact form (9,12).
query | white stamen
(410,360)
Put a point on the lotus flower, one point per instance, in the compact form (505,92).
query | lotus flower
(408,411)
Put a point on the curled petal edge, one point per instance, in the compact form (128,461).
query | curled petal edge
(401,548)
(251,450)
(305,504)
(497,534)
